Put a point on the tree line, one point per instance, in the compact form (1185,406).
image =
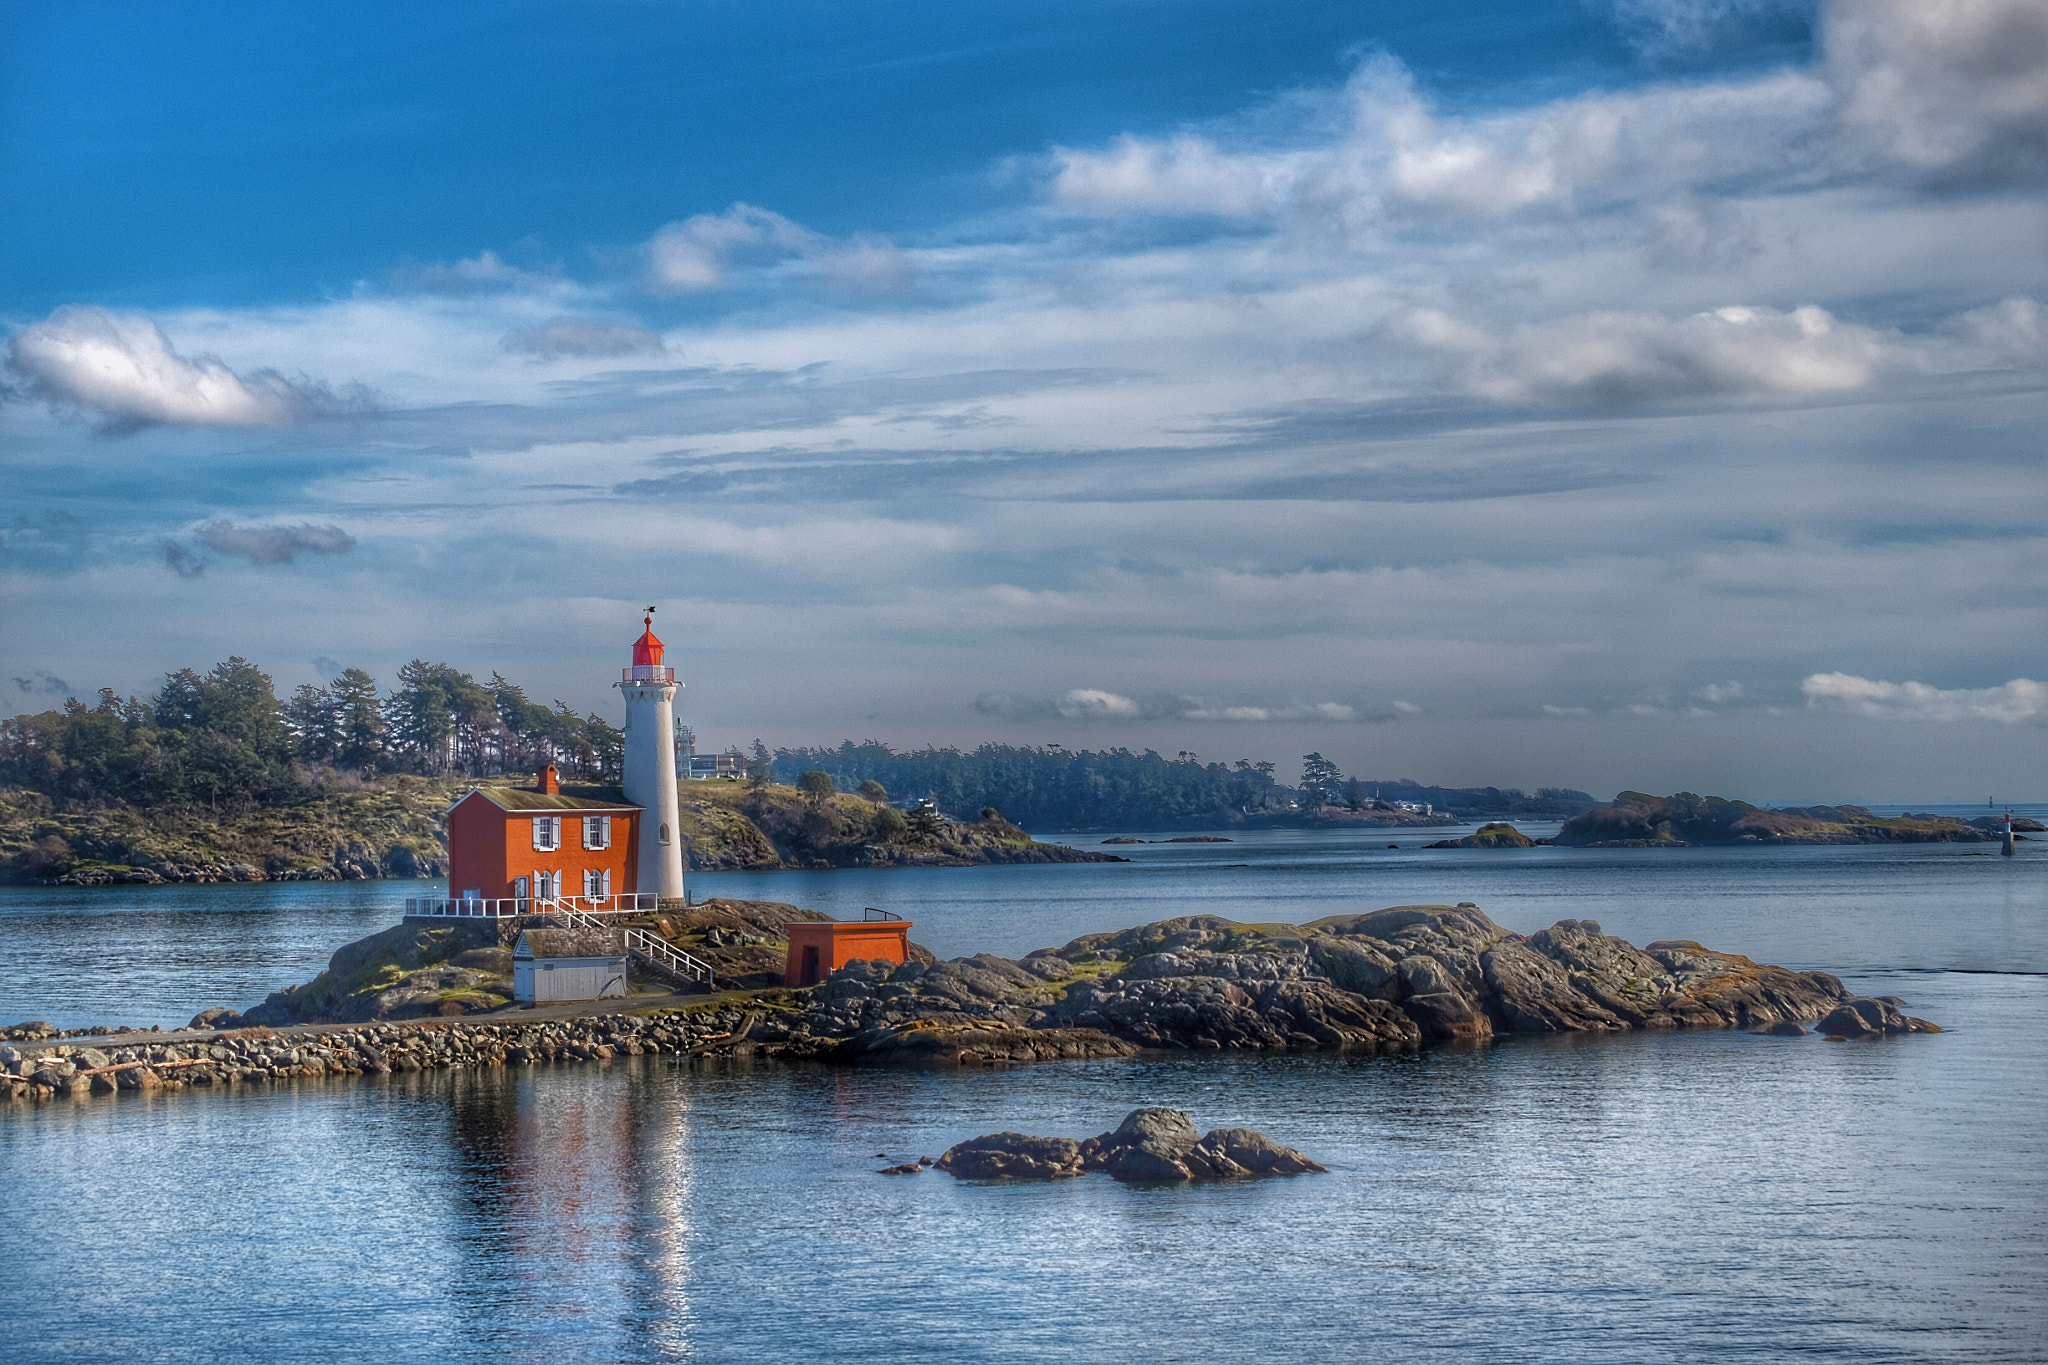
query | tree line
(223,738)
(1048,784)
(1052,786)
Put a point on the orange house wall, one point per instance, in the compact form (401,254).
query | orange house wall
(839,944)
(476,850)
(488,847)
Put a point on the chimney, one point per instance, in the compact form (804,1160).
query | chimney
(550,780)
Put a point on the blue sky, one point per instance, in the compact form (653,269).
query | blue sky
(1607,393)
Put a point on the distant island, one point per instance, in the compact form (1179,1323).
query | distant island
(1637,820)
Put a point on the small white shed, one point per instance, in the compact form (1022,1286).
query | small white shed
(550,965)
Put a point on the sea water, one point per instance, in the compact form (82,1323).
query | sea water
(1661,1197)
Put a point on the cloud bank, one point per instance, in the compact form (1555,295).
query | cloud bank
(2021,700)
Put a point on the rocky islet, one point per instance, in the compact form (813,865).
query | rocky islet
(1384,980)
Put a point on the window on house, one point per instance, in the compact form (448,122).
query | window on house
(597,885)
(597,831)
(547,831)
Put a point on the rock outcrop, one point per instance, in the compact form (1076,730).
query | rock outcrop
(1495,835)
(1149,1145)
(1388,979)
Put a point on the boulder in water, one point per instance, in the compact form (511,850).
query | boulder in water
(1151,1144)
(1861,1017)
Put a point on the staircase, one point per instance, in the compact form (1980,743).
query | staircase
(653,953)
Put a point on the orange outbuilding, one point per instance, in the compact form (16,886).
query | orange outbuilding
(819,947)
(509,843)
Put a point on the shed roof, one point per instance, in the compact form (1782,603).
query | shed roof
(540,943)
(526,801)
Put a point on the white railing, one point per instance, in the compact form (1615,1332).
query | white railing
(655,952)
(666,957)
(511,907)
(647,673)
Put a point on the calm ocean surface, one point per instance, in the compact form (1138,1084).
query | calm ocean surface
(1683,1197)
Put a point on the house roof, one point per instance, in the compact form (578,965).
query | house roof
(526,801)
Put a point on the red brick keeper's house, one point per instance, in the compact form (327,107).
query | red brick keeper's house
(507,843)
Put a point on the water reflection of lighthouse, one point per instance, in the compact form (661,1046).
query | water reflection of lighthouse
(597,1182)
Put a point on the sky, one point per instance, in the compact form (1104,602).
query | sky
(1595,393)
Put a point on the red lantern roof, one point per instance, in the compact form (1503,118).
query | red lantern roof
(647,649)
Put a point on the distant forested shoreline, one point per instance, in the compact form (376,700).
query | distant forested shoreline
(1052,787)
(213,776)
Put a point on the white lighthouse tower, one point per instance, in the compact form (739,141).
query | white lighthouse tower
(650,765)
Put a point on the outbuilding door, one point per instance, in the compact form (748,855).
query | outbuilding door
(809,971)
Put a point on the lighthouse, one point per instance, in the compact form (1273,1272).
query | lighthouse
(650,764)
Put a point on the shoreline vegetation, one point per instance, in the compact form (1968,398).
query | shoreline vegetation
(424,995)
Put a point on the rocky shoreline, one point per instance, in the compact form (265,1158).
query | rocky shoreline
(243,1057)
(1388,980)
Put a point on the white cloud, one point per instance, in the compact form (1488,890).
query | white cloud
(1091,703)
(2011,331)
(1333,711)
(1396,155)
(865,265)
(1623,359)
(484,273)
(1183,174)
(1948,89)
(1714,694)
(122,367)
(2022,699)
(701,251)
